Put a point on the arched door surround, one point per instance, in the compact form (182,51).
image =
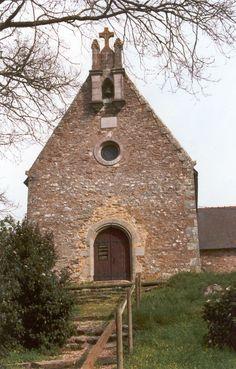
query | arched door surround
(111,255)
(129,231)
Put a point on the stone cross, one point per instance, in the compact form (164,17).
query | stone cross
(106,34)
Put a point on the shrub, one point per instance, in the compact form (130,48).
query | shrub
(35,304)
(217,314)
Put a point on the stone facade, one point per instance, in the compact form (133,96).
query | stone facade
(219,261)
(149,192)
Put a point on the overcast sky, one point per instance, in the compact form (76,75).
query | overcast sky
(206,128)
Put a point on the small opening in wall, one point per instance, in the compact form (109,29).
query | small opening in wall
(110,151)
(107,90)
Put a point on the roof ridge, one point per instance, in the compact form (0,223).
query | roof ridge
(217,207)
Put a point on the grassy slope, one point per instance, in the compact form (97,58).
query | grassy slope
(170,330)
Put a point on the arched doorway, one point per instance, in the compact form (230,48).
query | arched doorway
(111,255)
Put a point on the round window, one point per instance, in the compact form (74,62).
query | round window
(110,151)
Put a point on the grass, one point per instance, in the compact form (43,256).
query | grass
(21,355)
(170,330)
(95,309)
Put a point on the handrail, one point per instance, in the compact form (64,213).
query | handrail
(119,324)
(99,346)
(122,306)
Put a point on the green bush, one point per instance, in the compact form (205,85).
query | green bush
(35,304)
(217,314)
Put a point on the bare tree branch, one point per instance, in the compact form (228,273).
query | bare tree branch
(33,76)
(6,206)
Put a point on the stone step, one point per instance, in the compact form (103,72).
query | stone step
(94,303)
(92,317)
(102,287)
(89,323)
(106,291)
(90,297)
(85,339)
(56,364)
(90,331)
(93,331)
(88,301)
(113,336)
(111,345)
(88,328)
(107,357)
(106,360)
(74,339)
(73,346)
(91,339)
(100,297)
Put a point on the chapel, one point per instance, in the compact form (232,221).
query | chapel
(113,184)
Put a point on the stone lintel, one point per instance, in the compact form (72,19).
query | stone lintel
(95,72)
(118,71)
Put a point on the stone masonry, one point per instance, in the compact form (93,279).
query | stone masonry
(219,261)
(148,192)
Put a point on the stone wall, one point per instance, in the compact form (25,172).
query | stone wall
(218,260)
(151,188)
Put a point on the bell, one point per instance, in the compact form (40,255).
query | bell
(108,92)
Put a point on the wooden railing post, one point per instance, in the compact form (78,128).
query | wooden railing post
(138,289)
(119,339)
(233,328)
(136,292)
(130,322)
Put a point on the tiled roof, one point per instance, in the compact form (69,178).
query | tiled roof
(217,227)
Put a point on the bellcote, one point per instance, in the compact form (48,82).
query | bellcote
(107,71)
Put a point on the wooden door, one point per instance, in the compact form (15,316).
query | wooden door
(111,255)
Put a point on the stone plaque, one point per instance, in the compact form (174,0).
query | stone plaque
(108,122)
